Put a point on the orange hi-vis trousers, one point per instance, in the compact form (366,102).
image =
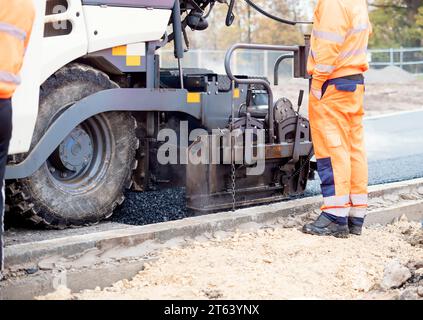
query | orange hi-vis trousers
(338,138)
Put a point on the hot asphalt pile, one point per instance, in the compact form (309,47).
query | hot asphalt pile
(142,208)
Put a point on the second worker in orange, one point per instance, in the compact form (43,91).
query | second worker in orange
(337,61)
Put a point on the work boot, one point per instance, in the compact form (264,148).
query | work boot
(328,225)
(355,225)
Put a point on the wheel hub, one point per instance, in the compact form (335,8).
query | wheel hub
(76,151)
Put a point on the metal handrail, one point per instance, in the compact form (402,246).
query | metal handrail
(262,82)
(277,64)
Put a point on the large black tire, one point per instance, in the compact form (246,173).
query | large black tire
(50,199)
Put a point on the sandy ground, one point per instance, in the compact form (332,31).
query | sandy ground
(271,263)
(380,98)
(385,98)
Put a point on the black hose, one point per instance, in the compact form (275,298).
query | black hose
(230,16)
(273,17)
(177,31)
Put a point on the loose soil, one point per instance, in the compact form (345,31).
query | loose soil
(273,262)
(380,98)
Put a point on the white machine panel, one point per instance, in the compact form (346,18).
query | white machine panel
(113,26)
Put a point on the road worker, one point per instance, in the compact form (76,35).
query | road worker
(337,61)
(16,20)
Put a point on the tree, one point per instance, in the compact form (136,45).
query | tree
(250,26)
(397,23)
(273,32)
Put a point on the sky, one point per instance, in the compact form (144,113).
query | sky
(308,6)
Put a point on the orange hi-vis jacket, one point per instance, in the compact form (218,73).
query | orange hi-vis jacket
(339,40)
(16,20)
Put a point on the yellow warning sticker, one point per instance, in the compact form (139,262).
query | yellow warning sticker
(194,97)
(237,94)
(119,51)
(133,61)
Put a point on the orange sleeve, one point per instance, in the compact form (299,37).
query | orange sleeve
(31,19)
(330,29)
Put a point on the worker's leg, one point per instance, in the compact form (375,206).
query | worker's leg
(330,133)
(359,167)
(5,135)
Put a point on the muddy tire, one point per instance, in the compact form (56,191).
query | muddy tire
(84,180)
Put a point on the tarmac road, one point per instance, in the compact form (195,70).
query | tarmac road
(395,152)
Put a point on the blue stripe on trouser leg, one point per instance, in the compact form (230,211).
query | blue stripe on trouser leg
(5,135)
(1,225)
(325,170)
(335,219)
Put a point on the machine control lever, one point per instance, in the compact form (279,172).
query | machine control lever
(296,156)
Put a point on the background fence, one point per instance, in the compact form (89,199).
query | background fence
(409,59)
(262,63)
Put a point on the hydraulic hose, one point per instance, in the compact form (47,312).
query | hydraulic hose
(273,17)
(230,16)
(177,30)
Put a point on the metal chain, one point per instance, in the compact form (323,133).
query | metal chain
(300,169)
(233,187)
(233,175)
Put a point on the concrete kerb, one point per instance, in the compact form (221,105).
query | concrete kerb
(76,280)
(191,227)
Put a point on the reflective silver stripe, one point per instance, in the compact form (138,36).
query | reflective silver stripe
(358,212)
(352,53)
(359,199)
(339,212)
(336,37)
(12,30)
(325,68)
(337,200)
(358,29)
(317,93)
(330,36)
(9,77)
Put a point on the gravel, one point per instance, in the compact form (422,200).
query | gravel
(395,275)
(409,294)
(389,75)
(141,208)
(271,263)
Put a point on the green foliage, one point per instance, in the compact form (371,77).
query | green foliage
(396,23)
(251,26)
(419,20)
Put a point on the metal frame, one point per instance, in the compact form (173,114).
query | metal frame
(262,82)
(157,4)
(103,101)
(277,65)
(213,111)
